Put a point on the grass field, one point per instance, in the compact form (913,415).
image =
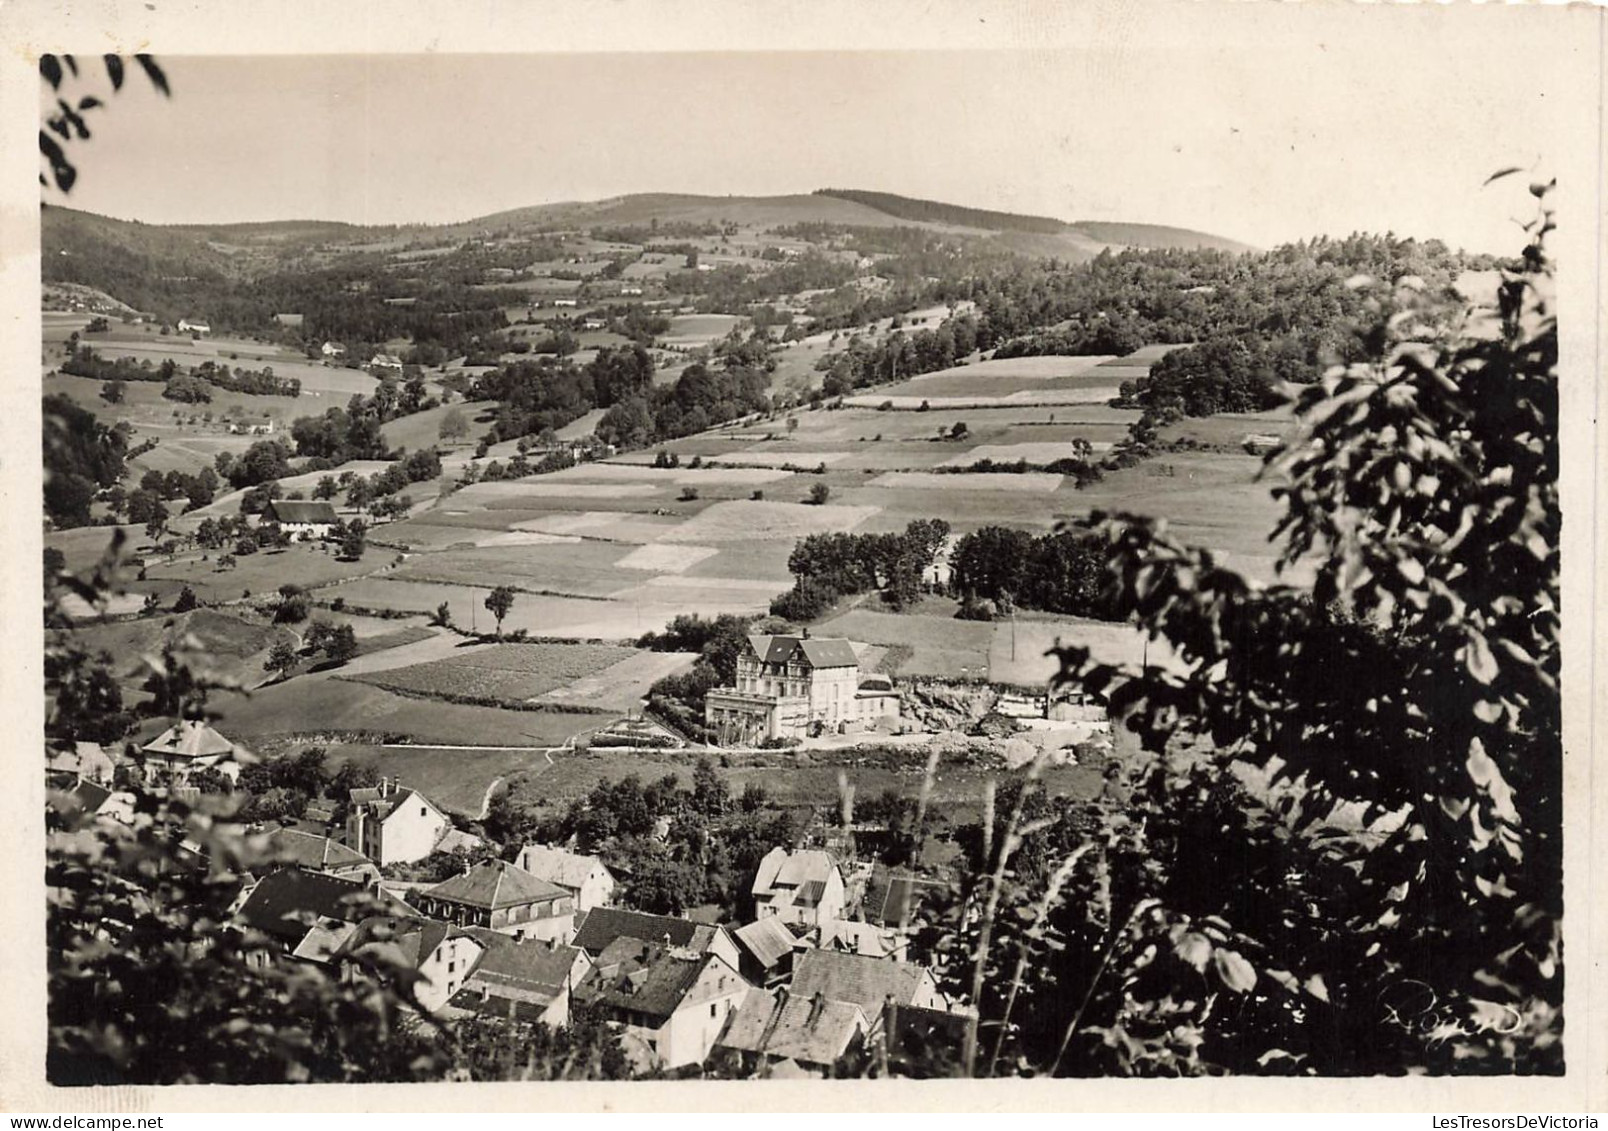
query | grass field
(744,521)
(508,673)
(1037,452)
(234,646)
(587,569)
(1037,482)
(454,779)
(621,686)
(691,330)
(942,646)
(306,564)
(323,710)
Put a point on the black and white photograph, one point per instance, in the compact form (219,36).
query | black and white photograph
(716,544)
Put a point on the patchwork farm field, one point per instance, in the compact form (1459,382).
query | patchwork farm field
(323,710)
(506,673)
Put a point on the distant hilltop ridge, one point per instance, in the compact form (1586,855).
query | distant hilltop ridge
(848,207)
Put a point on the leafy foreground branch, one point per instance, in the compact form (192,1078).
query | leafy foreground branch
(1341,853)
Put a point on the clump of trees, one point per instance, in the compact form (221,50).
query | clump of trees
(1062,572)
(826,567)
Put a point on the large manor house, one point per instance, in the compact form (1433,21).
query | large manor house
(797,687)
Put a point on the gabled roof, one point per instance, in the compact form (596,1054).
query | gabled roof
(302,510)
(90,797)
(811,1030)
(794,878)
(558,866)
(495,884)
(656,984)
(602,925)
(309,850)
(830,653)
(768,940)
(891,896)
(189,738)
(283,904)
(408,939)
(868,982)
(528,971)
(382,806)
(859,938)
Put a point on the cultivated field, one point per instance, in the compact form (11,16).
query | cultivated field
(745,521)
(506,673)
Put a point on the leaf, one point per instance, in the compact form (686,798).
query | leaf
(1500,173)
(154,73)
(1195,949)
(88,102)
(1317,988)
(114,70)
(1233,970)
(50,69)
(1477,655)
(1411,570)
(1285,979)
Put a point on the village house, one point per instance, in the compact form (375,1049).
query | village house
(386,361)
(83,761)
(586,877)
(189,745)
(441,955)
(502,897)
(392,825)
(294,848)
(193,326)
(603,925)
(803,887)
(304,519)
(332,349)
(671,1003)
(521,981)
(794,687)
(812,1032)
(869,983)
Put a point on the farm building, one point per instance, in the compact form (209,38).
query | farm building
(193,326)
(332,349)
(811,1032)
(86,761)
(505,898)
(301,518)
(795,686)
(386,361)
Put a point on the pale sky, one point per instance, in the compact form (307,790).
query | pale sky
(1256,126)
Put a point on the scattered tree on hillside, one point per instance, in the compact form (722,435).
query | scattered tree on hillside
(454,426)
(498,603)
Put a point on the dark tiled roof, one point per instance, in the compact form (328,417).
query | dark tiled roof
(602,925)
(282,904)
(810,1030)
(892,897)
(656,986)
(90,796)
(867,982)
(495,884)
(300,510)
(532,967)
(415,940)
(832,653)
(190,738)
(308,850)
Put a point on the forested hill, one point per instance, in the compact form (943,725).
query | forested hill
(1097,231)
(936,212)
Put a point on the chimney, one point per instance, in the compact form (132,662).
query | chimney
(806,632)
(817,1007)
